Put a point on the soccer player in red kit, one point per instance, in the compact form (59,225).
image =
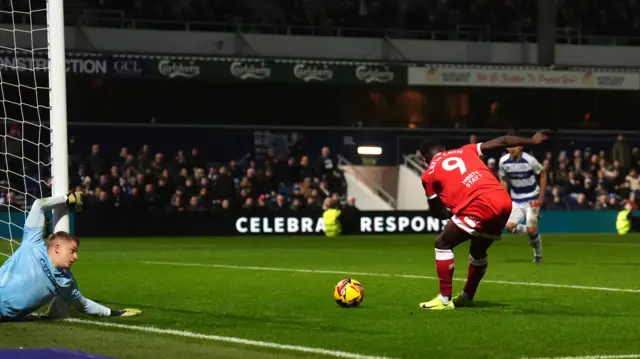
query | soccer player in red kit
(459,186)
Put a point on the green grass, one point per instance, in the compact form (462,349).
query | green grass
(296,308)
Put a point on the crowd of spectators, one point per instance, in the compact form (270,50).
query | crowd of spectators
(582,179)
(599,17)
(186,181)
(577,179)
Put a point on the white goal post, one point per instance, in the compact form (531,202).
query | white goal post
(33,110)
(58,107)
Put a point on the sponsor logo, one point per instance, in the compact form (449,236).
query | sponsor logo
(374,74)
(315,225)
(48,273)
(39,64)
(248,70)
(307,72)
(455,76)
(525,78)
(127,67)
(610,81)
(173,69)
(279,225)
(401,224)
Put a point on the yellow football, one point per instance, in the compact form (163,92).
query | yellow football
(348,293)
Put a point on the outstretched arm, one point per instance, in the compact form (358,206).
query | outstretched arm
(34,224)
(513,141)
(87,306)
(70,296)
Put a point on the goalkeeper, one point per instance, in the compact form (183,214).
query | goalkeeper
(39,272)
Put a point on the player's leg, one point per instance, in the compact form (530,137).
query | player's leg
(450,238)
(478,262)
(514,222)
(535,240)
(58,309)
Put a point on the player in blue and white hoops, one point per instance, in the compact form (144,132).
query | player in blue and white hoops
(526,179)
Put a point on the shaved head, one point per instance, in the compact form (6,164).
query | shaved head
(62,249)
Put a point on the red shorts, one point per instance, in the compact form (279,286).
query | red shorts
(486,215)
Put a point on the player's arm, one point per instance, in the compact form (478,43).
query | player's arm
(502,173)
(72,296)
(539,170)
(436,207)
(504,183)
(512,141)
(36,220)
(89,307)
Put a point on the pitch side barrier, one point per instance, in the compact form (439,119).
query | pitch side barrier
(181,224)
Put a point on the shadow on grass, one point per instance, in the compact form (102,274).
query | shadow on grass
(530,261)
(235,320)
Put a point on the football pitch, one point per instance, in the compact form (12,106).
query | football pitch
(271,297)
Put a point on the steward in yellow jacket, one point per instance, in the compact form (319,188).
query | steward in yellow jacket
(331,217)
(627,222)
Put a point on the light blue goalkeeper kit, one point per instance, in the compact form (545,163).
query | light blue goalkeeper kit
(28,279)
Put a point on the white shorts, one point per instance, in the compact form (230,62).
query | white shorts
(523,211)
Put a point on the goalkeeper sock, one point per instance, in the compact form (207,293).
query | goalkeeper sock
(444,268)
(477,269)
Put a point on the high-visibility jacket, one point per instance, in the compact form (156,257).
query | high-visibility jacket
(623,223)
(332,226)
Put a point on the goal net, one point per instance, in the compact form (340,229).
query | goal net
(32,111)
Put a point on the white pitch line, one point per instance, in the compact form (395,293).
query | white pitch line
(530,284)
(620,356)
(225,339)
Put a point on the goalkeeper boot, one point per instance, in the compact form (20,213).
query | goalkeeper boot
(437,304)
(462,300)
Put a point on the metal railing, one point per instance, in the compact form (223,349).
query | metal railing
(377,189)
(77,16)
(414,163)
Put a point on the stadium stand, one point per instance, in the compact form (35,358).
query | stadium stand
(504,20)
(577,180)
(584,179)
(188,182)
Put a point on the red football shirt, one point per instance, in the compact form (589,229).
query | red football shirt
(458,176)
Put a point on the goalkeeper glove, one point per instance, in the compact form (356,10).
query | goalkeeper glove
(129,312)
(74,201)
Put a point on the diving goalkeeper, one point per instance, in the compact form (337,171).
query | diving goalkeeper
(39,272)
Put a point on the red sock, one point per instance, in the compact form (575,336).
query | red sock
(477,268)
(444,267)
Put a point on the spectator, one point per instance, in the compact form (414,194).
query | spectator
(280,204)
(95,162)
(602,202)
(305,170)
(621,152)
(580,203)
(634,180)
(325,163)
(557,204)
